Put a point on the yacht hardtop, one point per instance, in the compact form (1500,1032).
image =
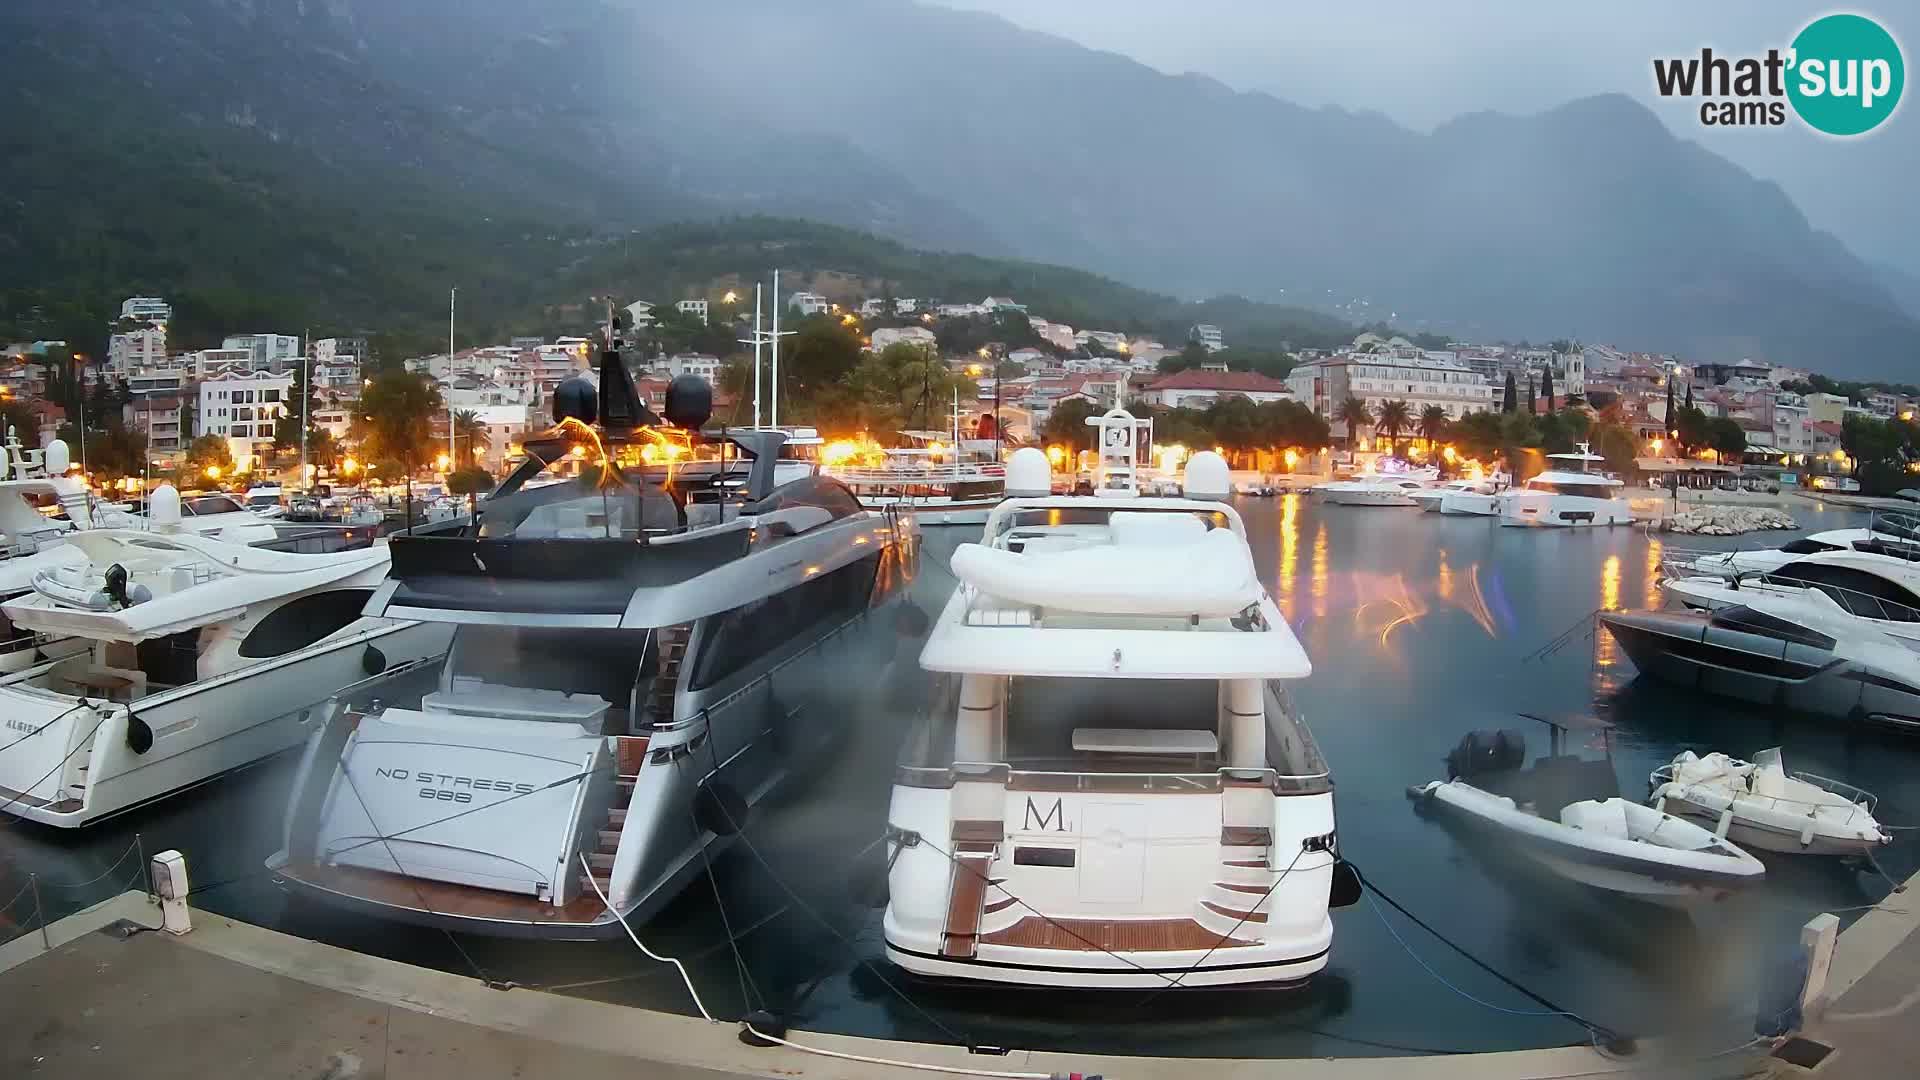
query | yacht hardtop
(642,653)
(1111,788)
(185,656)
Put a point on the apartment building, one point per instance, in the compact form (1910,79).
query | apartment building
(1376,378)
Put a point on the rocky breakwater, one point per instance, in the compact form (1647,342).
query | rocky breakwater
(1727,520)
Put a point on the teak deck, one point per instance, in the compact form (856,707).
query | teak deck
(1117,935)
(442,898)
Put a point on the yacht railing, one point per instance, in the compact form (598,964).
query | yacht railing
(1004,773)
(1860,802)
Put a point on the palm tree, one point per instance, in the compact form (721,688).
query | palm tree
(468,429)
(1433,424)
(1394,417)
(1353,412)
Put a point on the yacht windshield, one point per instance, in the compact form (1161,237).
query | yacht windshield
(1584,491)
(606,664)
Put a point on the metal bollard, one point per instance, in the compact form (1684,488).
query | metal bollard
(1818,937)
(168,871)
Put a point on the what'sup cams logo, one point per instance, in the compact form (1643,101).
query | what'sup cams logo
(1842,76)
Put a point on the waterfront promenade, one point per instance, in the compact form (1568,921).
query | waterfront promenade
(230,999)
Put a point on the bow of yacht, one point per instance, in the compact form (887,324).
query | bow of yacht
(1111,787)
(179,657)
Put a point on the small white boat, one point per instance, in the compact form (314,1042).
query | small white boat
(1612,844)
(1374,491)
(1759,804)
(1429,500)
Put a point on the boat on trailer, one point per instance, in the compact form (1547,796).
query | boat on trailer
(641,655)
(1759,804)
(1112,787)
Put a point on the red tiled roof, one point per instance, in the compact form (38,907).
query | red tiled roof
(1194,379)
(1828,427)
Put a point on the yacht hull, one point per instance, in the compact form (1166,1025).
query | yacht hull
(1469,504)
(1686,649)
(77,766)
(1525,510)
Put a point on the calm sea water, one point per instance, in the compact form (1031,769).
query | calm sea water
(1420,627)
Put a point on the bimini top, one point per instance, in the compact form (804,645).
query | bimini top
(135,585)
(1112,588)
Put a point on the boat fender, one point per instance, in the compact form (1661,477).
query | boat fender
(139,734)
(373,661)
(719,809)
(1344,891)
(761,1022)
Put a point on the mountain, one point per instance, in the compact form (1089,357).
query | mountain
(361,155)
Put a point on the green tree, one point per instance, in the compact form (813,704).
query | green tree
(394,422)
(1394,417)
(1616,443)
(1546,388)
(1353,413)
(1512,399)
(1067,425)
(906,386)
(1433,425)
(1727,437)
(470,480)
(1533,404)
(203,453)
(470,436)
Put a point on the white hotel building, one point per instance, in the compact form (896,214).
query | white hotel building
(1380,377)
(242,409)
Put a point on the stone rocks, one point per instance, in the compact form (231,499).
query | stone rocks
(1727,520)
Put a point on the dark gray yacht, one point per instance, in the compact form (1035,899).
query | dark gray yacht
(655,626)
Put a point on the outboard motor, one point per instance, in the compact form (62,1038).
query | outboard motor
(1482,752)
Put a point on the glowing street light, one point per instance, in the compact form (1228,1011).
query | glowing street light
(1449,454)
(1291,457)
(731,297)
(442,462)
(1057,455)
(1655,444)
(213,472)
(973,370)
(348,466)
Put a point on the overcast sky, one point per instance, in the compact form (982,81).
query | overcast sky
(1422,63)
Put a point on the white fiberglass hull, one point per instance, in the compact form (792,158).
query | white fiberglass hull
(71,764)
(935,510)
(1368,497)
(1561,511)
(1696,868)
(1154,884)
(1469,503)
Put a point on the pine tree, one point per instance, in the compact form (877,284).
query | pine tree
(1546,388)
(1689,404)
(1512,400)
(1533,406)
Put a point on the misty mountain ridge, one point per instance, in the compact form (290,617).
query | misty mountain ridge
(949,131)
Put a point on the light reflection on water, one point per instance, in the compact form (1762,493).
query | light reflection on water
(1389,696)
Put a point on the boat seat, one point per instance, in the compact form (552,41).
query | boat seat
(1137,529)
(1155,741)
(1607,817)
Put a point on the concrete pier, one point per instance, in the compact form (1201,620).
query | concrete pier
(231,999)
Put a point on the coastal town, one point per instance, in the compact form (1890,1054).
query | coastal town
(231,416)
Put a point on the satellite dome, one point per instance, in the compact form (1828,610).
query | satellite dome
(576,399)
(58,458)
(163,506)
(1029,474)
(689,402)
(1207,476)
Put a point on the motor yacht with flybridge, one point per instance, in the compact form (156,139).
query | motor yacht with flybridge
(1568,496)
(195,656)
(1112,787)
(642,653)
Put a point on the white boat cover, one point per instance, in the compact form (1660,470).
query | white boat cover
(1150,568)
(1762,794)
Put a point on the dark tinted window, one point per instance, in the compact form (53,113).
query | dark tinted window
(1584,491)
(1807,545)
(604,663)
(735,639)
(211,504)
(1864,594)
(303,621)
(1745,619)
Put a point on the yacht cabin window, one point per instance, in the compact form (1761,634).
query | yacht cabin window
(304,620)
(612,665)
(202,505)
(734,640)
(1584,491)
(1867,595)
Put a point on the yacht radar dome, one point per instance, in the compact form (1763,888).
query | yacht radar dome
(163,506)
(58,458)
(1029,474)
(576,399)
(1207,476)
(689,402)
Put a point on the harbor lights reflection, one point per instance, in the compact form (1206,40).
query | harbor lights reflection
(1289,550)
(1606,650)
(1320,572)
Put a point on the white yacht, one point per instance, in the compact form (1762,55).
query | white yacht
(200,656)
(266,500)
(1374,491)
(1566,497)
(642,654)
(1111,787)
(1894,534)
(954,492)
(1836,633)
(1431,499)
